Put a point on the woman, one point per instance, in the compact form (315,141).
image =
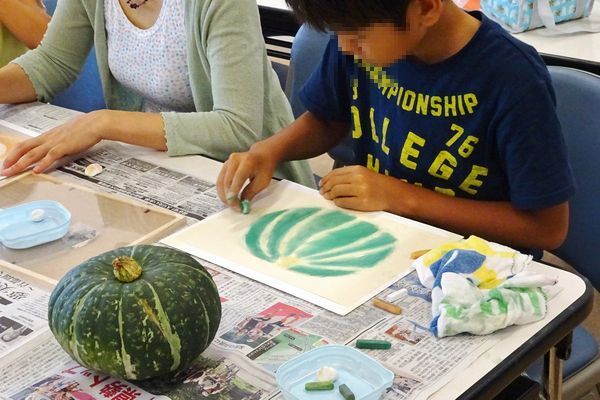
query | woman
(22,26)
(185,76)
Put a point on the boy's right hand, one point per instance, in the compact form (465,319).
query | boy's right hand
(254,166)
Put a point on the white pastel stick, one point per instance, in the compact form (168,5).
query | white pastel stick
(396,295)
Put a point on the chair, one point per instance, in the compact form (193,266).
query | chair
(85,94)
(281,70)
(578,103)
(307,50)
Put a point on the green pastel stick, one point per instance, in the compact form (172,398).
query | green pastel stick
(245,205)
(373,344)
(312,386)
(346,392)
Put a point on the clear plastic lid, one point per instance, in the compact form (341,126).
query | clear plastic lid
(366,377)
(34,223)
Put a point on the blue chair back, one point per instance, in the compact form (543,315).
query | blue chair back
(307,50)
(282,72)
(50,6)
(85,94)
(578,107)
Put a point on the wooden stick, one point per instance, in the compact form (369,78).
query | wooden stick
(387,306)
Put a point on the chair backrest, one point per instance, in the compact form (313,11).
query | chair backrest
(578,107)
(307,50)
(50,6)
(281,70)
(85,94)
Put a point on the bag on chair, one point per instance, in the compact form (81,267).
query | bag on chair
(522,15)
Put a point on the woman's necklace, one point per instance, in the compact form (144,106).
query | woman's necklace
(133,5)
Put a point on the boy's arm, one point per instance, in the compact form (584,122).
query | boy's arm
(358,188)
(25,19)
(307,137)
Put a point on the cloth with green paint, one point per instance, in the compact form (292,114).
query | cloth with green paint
(480,287)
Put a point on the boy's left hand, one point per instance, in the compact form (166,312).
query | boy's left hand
(356,188)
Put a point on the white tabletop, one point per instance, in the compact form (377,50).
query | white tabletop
(572,287)
(581,46)
(281,4)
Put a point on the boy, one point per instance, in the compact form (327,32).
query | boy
(452,120)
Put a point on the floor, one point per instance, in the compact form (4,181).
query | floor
(322,165)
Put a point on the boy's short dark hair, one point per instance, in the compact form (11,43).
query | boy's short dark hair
(338,15)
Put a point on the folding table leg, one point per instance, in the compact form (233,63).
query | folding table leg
(552,376)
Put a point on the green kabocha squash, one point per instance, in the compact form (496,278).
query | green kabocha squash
(136,312)
(318,242)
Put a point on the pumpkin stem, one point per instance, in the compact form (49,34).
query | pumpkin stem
(126,269)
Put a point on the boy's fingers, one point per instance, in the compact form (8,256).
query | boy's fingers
(229,175)
(341,190)
(256,185)
(351,203)
(243,173)
(221,189)
(335,180)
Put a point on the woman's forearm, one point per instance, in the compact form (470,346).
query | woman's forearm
(16,86)
(138,128)
(26,20)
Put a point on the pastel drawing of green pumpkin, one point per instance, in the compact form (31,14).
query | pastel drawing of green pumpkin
(318,242)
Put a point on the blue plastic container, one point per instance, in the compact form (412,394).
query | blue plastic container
(366,377)
(19,231)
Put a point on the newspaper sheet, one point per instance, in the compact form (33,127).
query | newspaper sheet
(35,118)
(46,372)
(262,328)
(23,310)
(124,174)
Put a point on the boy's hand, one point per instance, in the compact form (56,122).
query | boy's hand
(356,188)
(253,165)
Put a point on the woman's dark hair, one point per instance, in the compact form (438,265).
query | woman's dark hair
(349,14)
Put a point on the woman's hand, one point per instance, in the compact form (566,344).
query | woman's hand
(356,188)
(73,137)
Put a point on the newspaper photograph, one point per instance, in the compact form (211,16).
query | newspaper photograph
(23,313)
(75,382)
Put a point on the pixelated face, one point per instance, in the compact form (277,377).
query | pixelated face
(380,44)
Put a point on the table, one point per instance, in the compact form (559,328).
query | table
(518,346)
(578,50)
(581,50)
(276,18)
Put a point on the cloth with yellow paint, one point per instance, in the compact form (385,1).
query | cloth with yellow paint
(480,287)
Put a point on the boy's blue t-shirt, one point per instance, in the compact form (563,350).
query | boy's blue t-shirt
(480,124)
